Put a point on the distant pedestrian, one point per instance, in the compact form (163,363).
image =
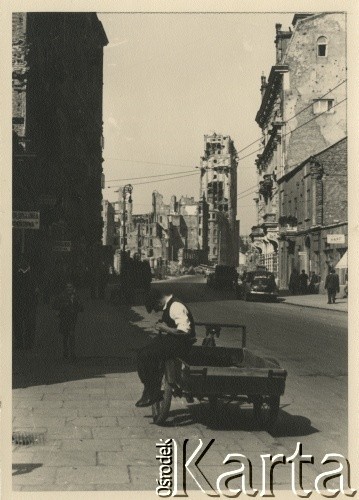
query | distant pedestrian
(68,305)
(345,296)
(294,282)
(303,282)
(332,286)
(314,283)
(25,301)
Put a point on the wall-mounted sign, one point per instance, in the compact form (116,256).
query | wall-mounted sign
(26,220)
(62,246)
(333,239)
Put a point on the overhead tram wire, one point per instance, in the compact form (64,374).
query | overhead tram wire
(296,128)
(148,176)
(299,112)
(151,163)
(239,151)
(159,180)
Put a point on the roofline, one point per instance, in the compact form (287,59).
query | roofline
(277,69)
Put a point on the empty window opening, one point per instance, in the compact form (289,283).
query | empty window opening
(322,46)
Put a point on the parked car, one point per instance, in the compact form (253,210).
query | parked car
(222,277)
(257,284)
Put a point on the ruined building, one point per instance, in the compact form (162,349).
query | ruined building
(218,188)
(302,113)
(169,233)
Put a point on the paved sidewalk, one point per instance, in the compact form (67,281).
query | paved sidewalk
(87,434)
(317,301)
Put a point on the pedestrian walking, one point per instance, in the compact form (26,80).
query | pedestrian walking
(68,306)
(175,338)
(332,286)
(314,280)
(303,282)
(294,282)
(25,301)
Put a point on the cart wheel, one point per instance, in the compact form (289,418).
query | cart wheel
(265,410)
(160,410)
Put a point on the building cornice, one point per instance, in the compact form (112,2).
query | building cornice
(271,92)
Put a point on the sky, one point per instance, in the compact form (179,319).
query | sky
(168,80)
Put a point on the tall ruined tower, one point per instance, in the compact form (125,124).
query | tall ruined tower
(218,186)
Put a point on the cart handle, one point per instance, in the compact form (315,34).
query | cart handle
(229,325)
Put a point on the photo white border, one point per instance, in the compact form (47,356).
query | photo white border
(250,6)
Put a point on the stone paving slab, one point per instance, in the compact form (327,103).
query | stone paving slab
(55,487)
(38,420)
(125,457)
(33,473)
(99,411)
(63,458)
(31,403)
(85,445)
(70,431)
(118,432)
(46,412)
(93,421)
(92,475)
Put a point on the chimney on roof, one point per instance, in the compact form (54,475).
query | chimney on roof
(281,41)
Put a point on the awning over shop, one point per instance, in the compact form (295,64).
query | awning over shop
(343,263)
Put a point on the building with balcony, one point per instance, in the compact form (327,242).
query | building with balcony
(302,112)
(218,188)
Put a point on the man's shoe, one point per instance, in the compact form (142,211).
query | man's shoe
(143,402)
(149,400)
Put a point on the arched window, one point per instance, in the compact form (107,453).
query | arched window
(322,46)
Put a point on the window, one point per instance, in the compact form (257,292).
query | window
(323,106)
(199,232)
(322,46)
(309,204)
(214,250)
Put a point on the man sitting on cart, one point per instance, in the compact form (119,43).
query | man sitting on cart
(175,338)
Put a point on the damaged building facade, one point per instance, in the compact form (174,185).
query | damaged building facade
(218,188)
(303,121)
(168,234)
(57,134)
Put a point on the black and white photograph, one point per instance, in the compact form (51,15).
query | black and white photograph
(180,252)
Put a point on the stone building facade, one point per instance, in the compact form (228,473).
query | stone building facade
(302,112)
(313,201)
(218,187)
(57,130)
